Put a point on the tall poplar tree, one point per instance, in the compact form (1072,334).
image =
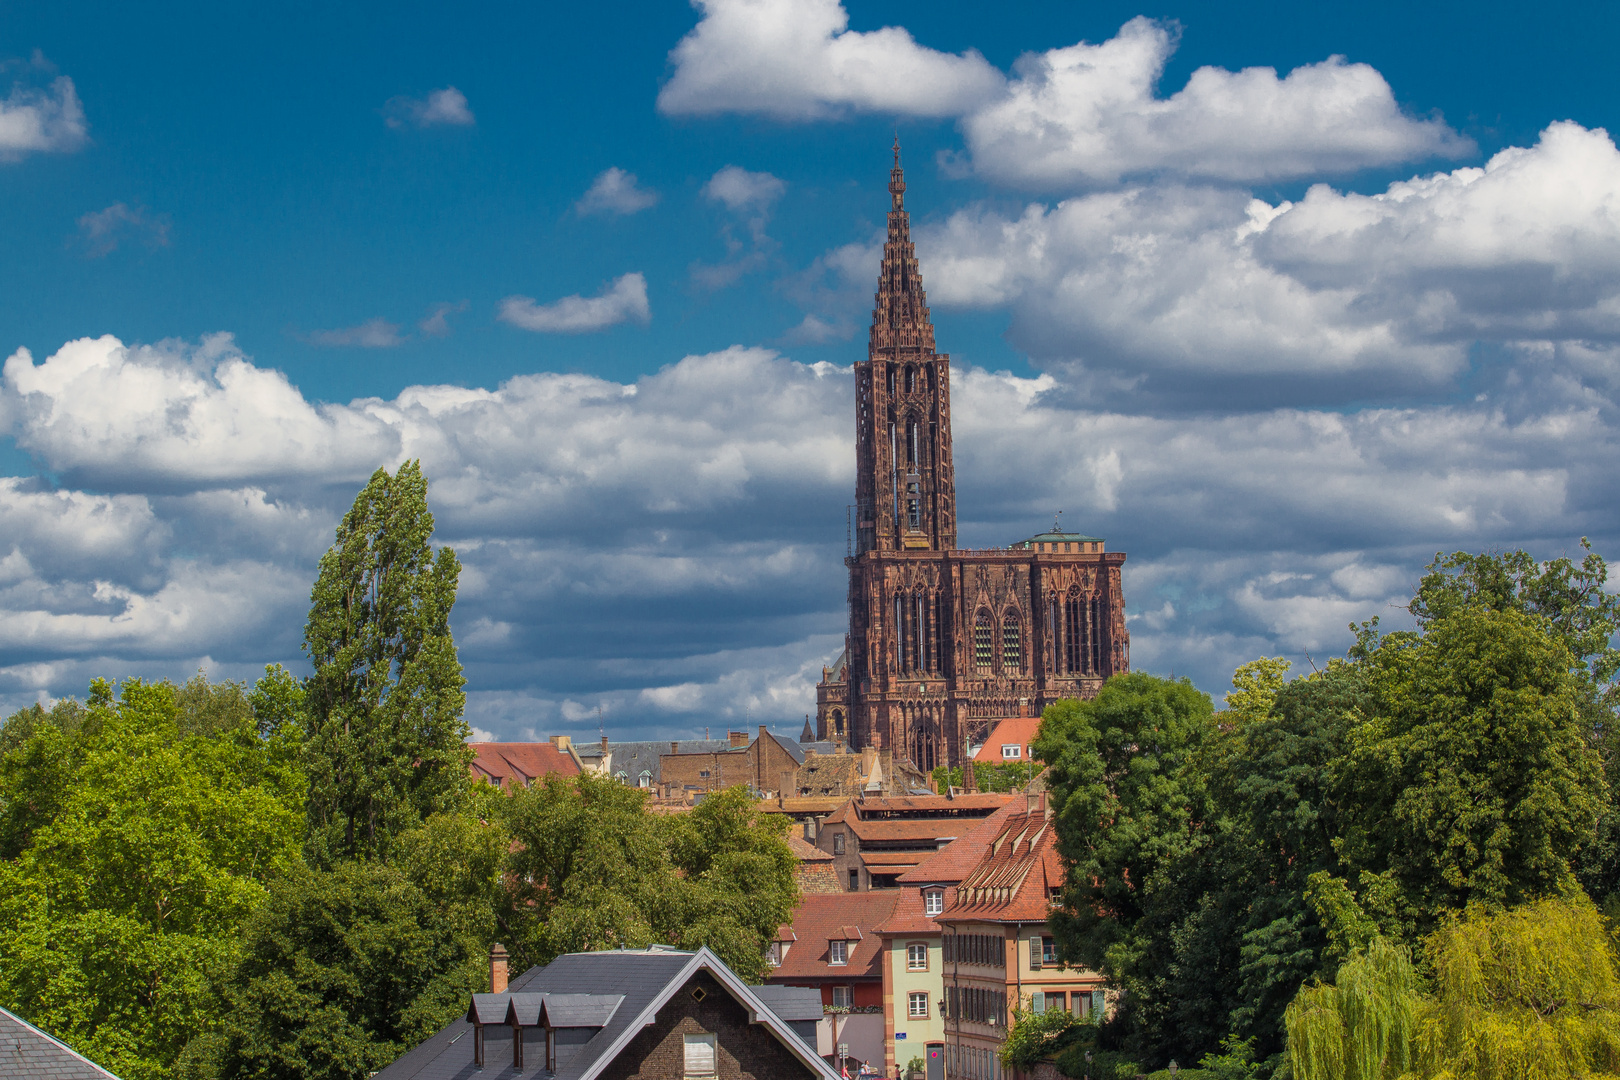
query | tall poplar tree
(387,742)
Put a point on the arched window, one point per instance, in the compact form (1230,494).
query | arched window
(913,507)
(891,380)
(1074,633)
(911,379)
(911,444)
(899,634)
(984,642)
(1012,645)
(838,721)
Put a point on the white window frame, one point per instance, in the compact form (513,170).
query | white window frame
(917,1005)
(696,1069)
(916,957)
(933,901)
(1012,752)
(847,993)
(837,952)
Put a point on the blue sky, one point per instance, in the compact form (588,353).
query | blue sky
(1271,332)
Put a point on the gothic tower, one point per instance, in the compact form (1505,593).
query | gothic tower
(905,487)
(944,643)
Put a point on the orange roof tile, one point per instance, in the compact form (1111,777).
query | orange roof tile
(1013,882)
(519,763)
(957,859)
(804,851)
(822,919)
(1014,731)
(909,918)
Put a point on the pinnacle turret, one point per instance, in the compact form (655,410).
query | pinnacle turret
(900,320)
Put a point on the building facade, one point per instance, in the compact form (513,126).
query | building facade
(943,641)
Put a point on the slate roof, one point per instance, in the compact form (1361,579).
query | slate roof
(642,979)
(27,1053)
(791,1003)
(634,758)
(1019,730)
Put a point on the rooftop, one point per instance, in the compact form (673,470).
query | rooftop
(1015,731)
(823,919)
(27,1053)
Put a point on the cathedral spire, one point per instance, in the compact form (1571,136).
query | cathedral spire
(900,322)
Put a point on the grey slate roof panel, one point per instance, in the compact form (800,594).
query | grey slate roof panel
(581,1010)
(637,977)
(27,1053)
(791,1002)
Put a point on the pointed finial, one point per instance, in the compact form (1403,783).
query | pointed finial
(897,179)
(1055,520)
(897,149)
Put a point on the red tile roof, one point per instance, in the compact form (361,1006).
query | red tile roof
(1017,730)
(921,807)
(519,763)
(822,919)
(804,851)
(957,859)
(1013,882)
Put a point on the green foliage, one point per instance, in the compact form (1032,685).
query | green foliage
(1530,993)
(592,869)
(1137,827)
(1363,1027)
(167,814)
(1036,1037)
(1471,781)
(1234,1062)
(386,743)
(996,776)
(345,969)
(1569,597)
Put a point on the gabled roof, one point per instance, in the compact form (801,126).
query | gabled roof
(1014,880)
(957,860)
(1016,730)
(519,763)
(643,979)
(27,1053)
(848,917)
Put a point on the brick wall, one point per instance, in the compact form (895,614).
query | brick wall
(745,1051)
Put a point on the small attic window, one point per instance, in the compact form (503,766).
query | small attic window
(698,993)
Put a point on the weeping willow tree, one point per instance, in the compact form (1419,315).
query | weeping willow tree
(1363,1026)
(1530,993)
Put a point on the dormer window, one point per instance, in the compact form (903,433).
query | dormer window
(1011,751)
(933,901)
(837,952)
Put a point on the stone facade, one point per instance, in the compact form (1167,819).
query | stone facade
(942,641)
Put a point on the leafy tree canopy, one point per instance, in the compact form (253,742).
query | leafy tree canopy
(387,743)
(168,814)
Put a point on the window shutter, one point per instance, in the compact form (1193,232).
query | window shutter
(1035,952)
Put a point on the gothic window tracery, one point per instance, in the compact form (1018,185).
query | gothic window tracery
(911,379)
(984,642)
(1074,628)
(1012,645)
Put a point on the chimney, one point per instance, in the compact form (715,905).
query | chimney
(497,968)
(604,744)
(674,748)
(762,731)
(562,742)
(737,738)
(1036,802)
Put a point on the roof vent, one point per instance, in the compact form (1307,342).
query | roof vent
(698,993)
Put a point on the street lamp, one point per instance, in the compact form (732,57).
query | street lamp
(1173,1068)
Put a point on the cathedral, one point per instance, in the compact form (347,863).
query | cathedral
(945,641)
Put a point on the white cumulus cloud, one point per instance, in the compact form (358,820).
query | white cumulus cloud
(34,120)
(1088,114)
(441,107)
(798,59)
(615,191)
(624,300)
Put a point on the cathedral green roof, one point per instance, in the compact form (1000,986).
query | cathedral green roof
(1049,537)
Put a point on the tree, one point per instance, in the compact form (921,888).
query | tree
(1363,1027)
(130,898)
(1530,992)
(1472,778)
(592,869)
(386,740)
(1135,827)
(345,969)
